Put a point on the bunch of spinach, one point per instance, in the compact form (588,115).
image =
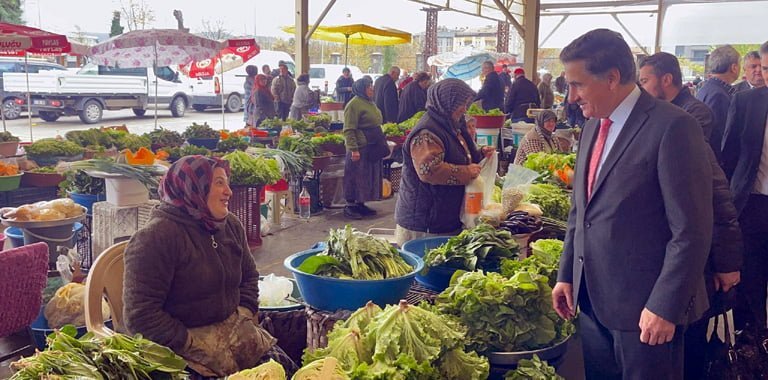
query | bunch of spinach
(554,201)
(481,247)
(248,170)
(352,254)
(115,357)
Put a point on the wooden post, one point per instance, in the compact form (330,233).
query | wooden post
(531,37)
(302,42)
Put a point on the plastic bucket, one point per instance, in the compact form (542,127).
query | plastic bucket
(488,136)
(64,235)
(15,235)
(126,192)
(437,278)
(87,200)
(40,329)
(331,294)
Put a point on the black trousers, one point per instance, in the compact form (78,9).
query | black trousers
(751,304)
(283,109)
(620,355)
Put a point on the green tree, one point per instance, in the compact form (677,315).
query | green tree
(390,57)
(116,29)
(10,11)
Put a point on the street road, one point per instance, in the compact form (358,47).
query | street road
(138,125)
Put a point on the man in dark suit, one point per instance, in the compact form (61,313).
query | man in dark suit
(661,77)
(385,95)
(717,90)
(522,95)
(745,161)
(491,94)
(639,230)
(753,74)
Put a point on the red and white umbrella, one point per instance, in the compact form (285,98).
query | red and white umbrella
(18,40)
(236,54)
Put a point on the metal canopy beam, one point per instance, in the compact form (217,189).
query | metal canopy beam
(511,19)
(632,36)
(320,19)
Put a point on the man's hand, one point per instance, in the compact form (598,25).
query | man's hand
(654,329)
(562,300)
(355,156)
(726,281)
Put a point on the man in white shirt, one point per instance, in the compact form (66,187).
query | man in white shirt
(753,74)
(640,224)
(745,162)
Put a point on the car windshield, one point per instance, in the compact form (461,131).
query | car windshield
(316,72)
(7,67)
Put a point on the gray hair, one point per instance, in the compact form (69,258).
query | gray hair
(754,54)
(722,58)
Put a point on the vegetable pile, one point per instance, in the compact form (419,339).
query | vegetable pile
(481,247)
(329,138)
(270,370)
(200,131)
(504,314)
(555,167)
(520,222)
(534,369)
(352,254)
(248,170)
(115,357)
(8,169)
(475,110)
(301,144)
(164,137)
(544,261)
(554,201)
(53,147)
(401,342)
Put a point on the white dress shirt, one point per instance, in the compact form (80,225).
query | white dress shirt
(619,117)
(761,182)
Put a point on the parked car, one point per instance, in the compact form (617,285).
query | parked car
(323,77)
(96,88)
(206,91)
(14,103)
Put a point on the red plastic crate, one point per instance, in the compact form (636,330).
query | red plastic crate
(245,203)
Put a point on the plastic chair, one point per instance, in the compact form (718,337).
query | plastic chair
(23,275)
(105,278)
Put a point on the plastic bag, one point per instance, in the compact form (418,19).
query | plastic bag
(479,192)
(515,183)
(273,290)
(67,307)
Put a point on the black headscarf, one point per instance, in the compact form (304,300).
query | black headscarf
(358,88)
(542,118)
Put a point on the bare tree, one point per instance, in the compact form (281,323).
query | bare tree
(138,15)
(214,30)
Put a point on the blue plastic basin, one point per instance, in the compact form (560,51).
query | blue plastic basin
(438,278)
(40,330)
(331,294)
(87,200)
(15,235)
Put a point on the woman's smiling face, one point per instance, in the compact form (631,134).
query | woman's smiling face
(218,196)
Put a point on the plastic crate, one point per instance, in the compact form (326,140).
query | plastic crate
(27,195)
(245,203)
(84,247)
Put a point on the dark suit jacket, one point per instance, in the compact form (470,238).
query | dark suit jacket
(522,93)
(741,86)
(697,109)
(743,142)
(412,100)
(643,239)
(716,94)
(492,92)
(385,97)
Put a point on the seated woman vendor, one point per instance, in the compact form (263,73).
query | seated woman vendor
(190,280)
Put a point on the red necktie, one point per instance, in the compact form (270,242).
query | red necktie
(597,153)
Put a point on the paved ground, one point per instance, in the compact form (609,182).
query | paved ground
(138,125)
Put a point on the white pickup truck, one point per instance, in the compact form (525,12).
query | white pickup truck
(97,88)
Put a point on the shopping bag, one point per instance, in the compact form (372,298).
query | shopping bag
(743,359)
(479,192)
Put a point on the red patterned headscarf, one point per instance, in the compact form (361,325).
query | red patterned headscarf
(187,184)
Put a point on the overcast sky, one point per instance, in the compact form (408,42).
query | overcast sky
(689,24)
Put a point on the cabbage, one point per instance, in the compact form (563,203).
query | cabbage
(270,370)
(324,369)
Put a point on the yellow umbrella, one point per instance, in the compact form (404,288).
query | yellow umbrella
(358,34)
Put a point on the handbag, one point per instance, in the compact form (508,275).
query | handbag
(376,147)
(741,360)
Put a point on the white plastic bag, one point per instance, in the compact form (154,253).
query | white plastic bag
(273,290)
(479,192)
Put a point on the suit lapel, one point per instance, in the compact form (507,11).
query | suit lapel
(635,121)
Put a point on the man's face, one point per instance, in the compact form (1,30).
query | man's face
(266,70)
(651,83)
(590,92)
(764,64)
(487,69)
(753,72)
(394,74)
(283,70)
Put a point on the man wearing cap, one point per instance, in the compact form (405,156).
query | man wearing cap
(522,95)
(283,88)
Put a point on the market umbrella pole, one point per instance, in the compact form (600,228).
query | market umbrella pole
(346,52)
(29,97)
